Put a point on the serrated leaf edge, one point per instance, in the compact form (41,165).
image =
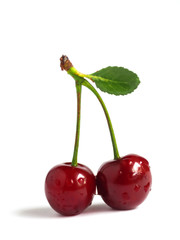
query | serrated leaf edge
(98,78)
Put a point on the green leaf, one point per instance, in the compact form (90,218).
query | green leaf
(115,80)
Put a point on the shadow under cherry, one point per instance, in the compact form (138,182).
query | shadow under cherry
(48,212)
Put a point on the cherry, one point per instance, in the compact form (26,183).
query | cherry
(69,190)
(124,183)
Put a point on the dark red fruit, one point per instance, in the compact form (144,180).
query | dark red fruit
(69,190)
(124,183)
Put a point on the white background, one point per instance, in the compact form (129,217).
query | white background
(38,112)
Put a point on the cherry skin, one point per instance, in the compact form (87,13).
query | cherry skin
(124,183)
(69,190)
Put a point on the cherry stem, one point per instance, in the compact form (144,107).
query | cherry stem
(65,64)
(76,144)
(115,148)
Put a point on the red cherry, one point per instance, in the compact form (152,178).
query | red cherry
(69,190)
(124,183)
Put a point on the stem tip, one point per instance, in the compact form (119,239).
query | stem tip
(65,63)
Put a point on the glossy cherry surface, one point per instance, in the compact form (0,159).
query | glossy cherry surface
(124,183)
(69,190)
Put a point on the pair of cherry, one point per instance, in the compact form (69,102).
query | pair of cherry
(123,184)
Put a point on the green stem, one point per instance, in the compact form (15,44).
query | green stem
(74,71)
(76,145)
(115,148)
(80,78)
